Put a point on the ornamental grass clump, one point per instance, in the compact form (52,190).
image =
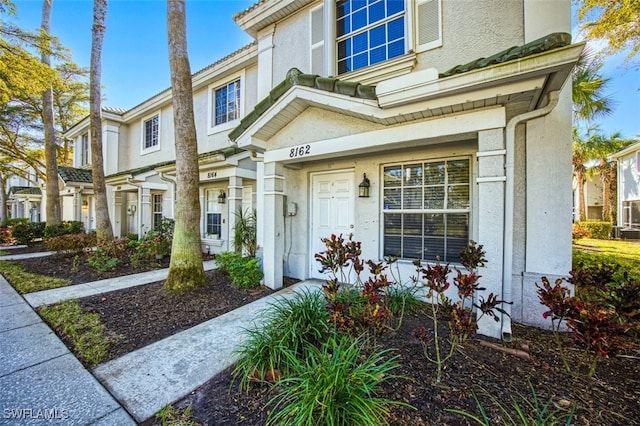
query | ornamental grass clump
(335,385)
(459,314)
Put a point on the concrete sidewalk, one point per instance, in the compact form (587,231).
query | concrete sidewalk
(47,297)
(40,380)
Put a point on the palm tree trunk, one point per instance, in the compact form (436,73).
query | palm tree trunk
(103,223)
(185,270)
(582,211)
(54,214)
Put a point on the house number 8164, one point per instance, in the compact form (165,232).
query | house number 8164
(300,151)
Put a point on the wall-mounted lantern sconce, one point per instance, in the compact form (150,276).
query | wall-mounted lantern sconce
(363,188)
(222,197)
(85,205)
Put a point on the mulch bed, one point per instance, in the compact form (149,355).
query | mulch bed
(145,314)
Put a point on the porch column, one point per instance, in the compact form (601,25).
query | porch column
(77,205)
(491,186)
(118,216)
(234,200)
(273,220)
(144,211)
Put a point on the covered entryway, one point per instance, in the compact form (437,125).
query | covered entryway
(332,210)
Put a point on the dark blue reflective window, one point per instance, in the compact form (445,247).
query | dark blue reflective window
(365,33)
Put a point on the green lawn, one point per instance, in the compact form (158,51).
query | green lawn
(624,253)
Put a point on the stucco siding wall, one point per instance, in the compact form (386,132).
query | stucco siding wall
(312,125)
(291,45)
(630,177)
(298,259)
(474,29)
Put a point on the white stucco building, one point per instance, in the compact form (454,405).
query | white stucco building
(458,113)
(628,219)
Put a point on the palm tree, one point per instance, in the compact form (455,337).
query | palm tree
(103,223)
(185,270)
(581,156)
(588,85)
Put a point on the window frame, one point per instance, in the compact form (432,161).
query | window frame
(143,133)
(211,103)
(405,14)
(157,210)
(468,211)
(85,146)
(211,196)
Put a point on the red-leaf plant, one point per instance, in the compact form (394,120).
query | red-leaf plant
(593,323)
(460,313)
(370,313)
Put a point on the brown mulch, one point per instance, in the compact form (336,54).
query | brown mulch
(145,314)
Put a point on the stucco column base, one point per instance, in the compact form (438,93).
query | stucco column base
(273,220)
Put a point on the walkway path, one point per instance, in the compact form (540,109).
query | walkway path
(40,379)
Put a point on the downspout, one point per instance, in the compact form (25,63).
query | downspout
(172,181)
(510,140)
(138,205)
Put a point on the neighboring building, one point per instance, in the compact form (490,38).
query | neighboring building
(592,197)
(628,218)
(451,153)
(24,197)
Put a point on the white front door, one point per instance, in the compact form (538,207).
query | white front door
(332,205)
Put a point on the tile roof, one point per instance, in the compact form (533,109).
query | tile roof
(72,174)
(24,190)
(295,77)
(543,44)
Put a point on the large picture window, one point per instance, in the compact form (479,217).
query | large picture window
(426,209)
(213,215)
(369,32)
(151,130)
(227,103)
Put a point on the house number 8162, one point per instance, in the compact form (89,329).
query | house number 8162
(300,151)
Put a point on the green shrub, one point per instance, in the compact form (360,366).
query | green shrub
(287,325)
(14,220)
(225,259)
(71,243)
(335,385)
(599,230)
(579,231)
(101,261)
(37,229)
(244,272)
(22,233)
(63,228)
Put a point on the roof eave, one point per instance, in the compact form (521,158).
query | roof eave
(265,13)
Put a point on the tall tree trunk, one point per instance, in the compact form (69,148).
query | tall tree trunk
(185,270)
(54,215)
(582,211)
(607,174)
(3,198)
(103,223)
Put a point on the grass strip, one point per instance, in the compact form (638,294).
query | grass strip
(80,330)
(27,282)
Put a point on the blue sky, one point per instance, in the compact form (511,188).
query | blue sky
(135,63)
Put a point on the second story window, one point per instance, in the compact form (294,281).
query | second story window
(151,132)
(227,103)
(84,150)
(369,32)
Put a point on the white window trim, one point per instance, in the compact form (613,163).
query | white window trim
(468,210)
(82,150)
(320,44)
(211,126)
(144,150)
(214,190)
